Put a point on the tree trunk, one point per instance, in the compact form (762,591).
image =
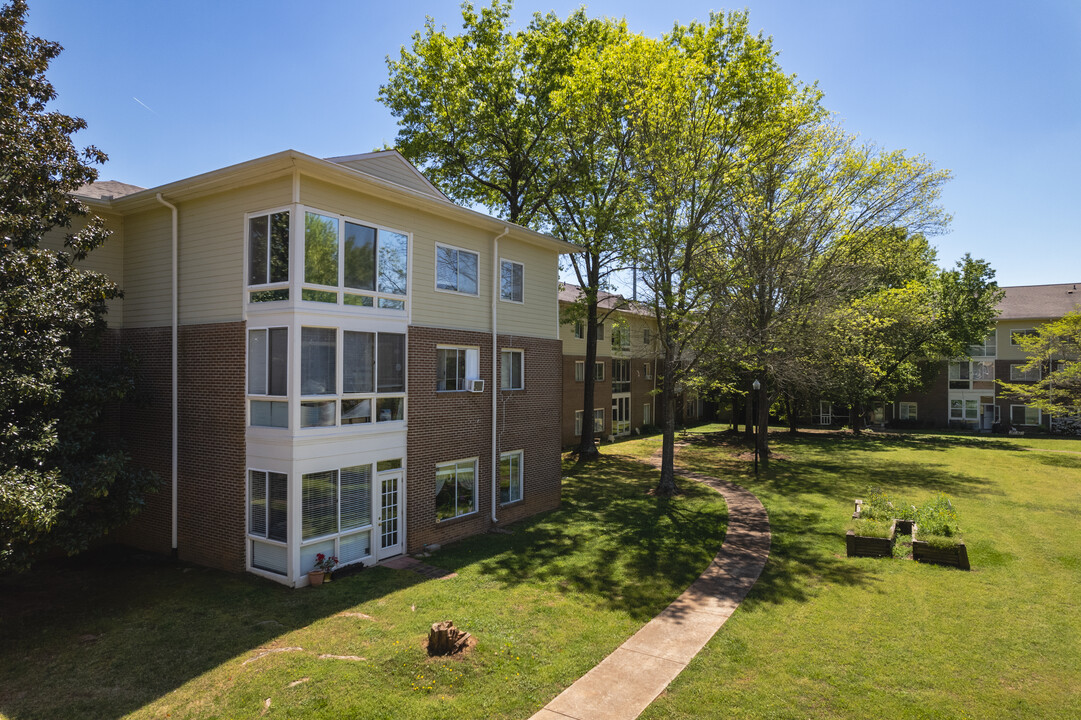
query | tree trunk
(666,486)
(748,413)
(735,413)
(791,408)
(856,417)
(587,447)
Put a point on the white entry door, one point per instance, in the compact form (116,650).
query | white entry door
(389,530)
(621,415)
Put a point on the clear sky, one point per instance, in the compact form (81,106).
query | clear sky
(987,88)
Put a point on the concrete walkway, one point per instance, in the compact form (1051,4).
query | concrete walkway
(639,670)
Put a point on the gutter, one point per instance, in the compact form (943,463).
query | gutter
(495,376)
(175,344)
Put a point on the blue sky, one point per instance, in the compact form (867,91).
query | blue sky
(989,89)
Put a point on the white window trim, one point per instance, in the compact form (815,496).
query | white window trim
(579,365)
(604,420)
(647,414)
(905,410)
(1014,376)
(579,421)
(649,370)
(521,475)
(1039,416)
(476,486)
(521,353)
(1019,331)
(249,396)
(247,508)
(598,364)
(511,262)
(472,362)
(435,266)
(259,287)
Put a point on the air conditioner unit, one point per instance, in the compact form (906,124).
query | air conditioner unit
(474,386)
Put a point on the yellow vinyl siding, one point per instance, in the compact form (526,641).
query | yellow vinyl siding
(536,315)
(1006,351)
(391,169)
(147,258)
(107,259)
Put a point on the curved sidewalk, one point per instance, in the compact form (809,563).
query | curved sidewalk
(639,670)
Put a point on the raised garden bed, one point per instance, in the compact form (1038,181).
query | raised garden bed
(866,546)
(955,555)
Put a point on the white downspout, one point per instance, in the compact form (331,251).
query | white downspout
(495,375)
(175,344)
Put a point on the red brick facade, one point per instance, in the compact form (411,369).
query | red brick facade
(448,426)
(641,393)
(211,453)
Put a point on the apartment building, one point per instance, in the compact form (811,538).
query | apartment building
(336,359)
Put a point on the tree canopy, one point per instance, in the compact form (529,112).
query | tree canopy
(1054,356)
(61,482)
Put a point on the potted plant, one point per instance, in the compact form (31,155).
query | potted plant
(324,565)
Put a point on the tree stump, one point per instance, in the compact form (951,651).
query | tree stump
(445,639)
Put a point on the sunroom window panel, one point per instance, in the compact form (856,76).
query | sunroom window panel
(359,254)
(257,504)
(358,361)
(393,263)
(320,249)
(257,362)
(319,504)
(277,506)
(279,247)
(318,361)
(356,497)
(391,363)
(277,370)
(257,249)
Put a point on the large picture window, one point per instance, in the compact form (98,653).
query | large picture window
(510,477)
(372,377)
(268,256)
(455,489)
(456,269)
(511,281)
(349,263)
(268,361)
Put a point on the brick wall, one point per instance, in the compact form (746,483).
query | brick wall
(211,453)
(933,403)
(572,398)
(447,426)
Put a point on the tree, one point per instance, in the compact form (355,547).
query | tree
(1054,352)
(61,484)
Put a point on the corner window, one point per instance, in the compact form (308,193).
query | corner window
(511,275)
(372,377)
(456,269)
(349,263)
(268,508)
(512,370)
(510,477)
(456,365)
(268,256)
(598,371)
(268,359)
(579,370)
(455,489)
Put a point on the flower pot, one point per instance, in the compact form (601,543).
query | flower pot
(315,577)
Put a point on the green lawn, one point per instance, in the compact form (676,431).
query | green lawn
(824,636)
(118,636)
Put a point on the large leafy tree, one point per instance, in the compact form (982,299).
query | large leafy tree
(1054,352)
(61,483)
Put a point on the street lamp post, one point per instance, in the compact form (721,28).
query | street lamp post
(754,415)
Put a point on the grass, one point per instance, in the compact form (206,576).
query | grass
(117,635)
(825,636)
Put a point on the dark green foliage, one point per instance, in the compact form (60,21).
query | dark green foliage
(59,484)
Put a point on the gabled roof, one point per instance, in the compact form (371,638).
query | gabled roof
(605,300)
(390,165)
(1038,301)
(107,190)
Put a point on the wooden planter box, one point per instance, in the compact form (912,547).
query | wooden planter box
(956,556)
(863,546)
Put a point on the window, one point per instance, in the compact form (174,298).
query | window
(600,331)
(579,329)
(455,365)
(621,376)
(510,477)
(987,349)
(268,256)
(598,420)
(372,377)
(645,336)
(983,370)
(578,422)
(268,359)
(648,370)
(336,501)
(456,270)
(967,410)
(512,370)
(960,375)
(621,338)
(645,414)
(1018,373)
(268,507)
(598,371)
(1024,415)
(579,370)
(1018,334)
(906,411)
(353,264)
(511,281)
(455,489)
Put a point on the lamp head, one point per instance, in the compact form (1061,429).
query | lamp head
(756,385)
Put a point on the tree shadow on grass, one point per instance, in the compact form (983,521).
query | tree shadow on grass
(871,441)
(610,540)
(104,634)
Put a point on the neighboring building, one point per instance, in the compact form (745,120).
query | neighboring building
(624,398)
(362,367)
(965,394)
